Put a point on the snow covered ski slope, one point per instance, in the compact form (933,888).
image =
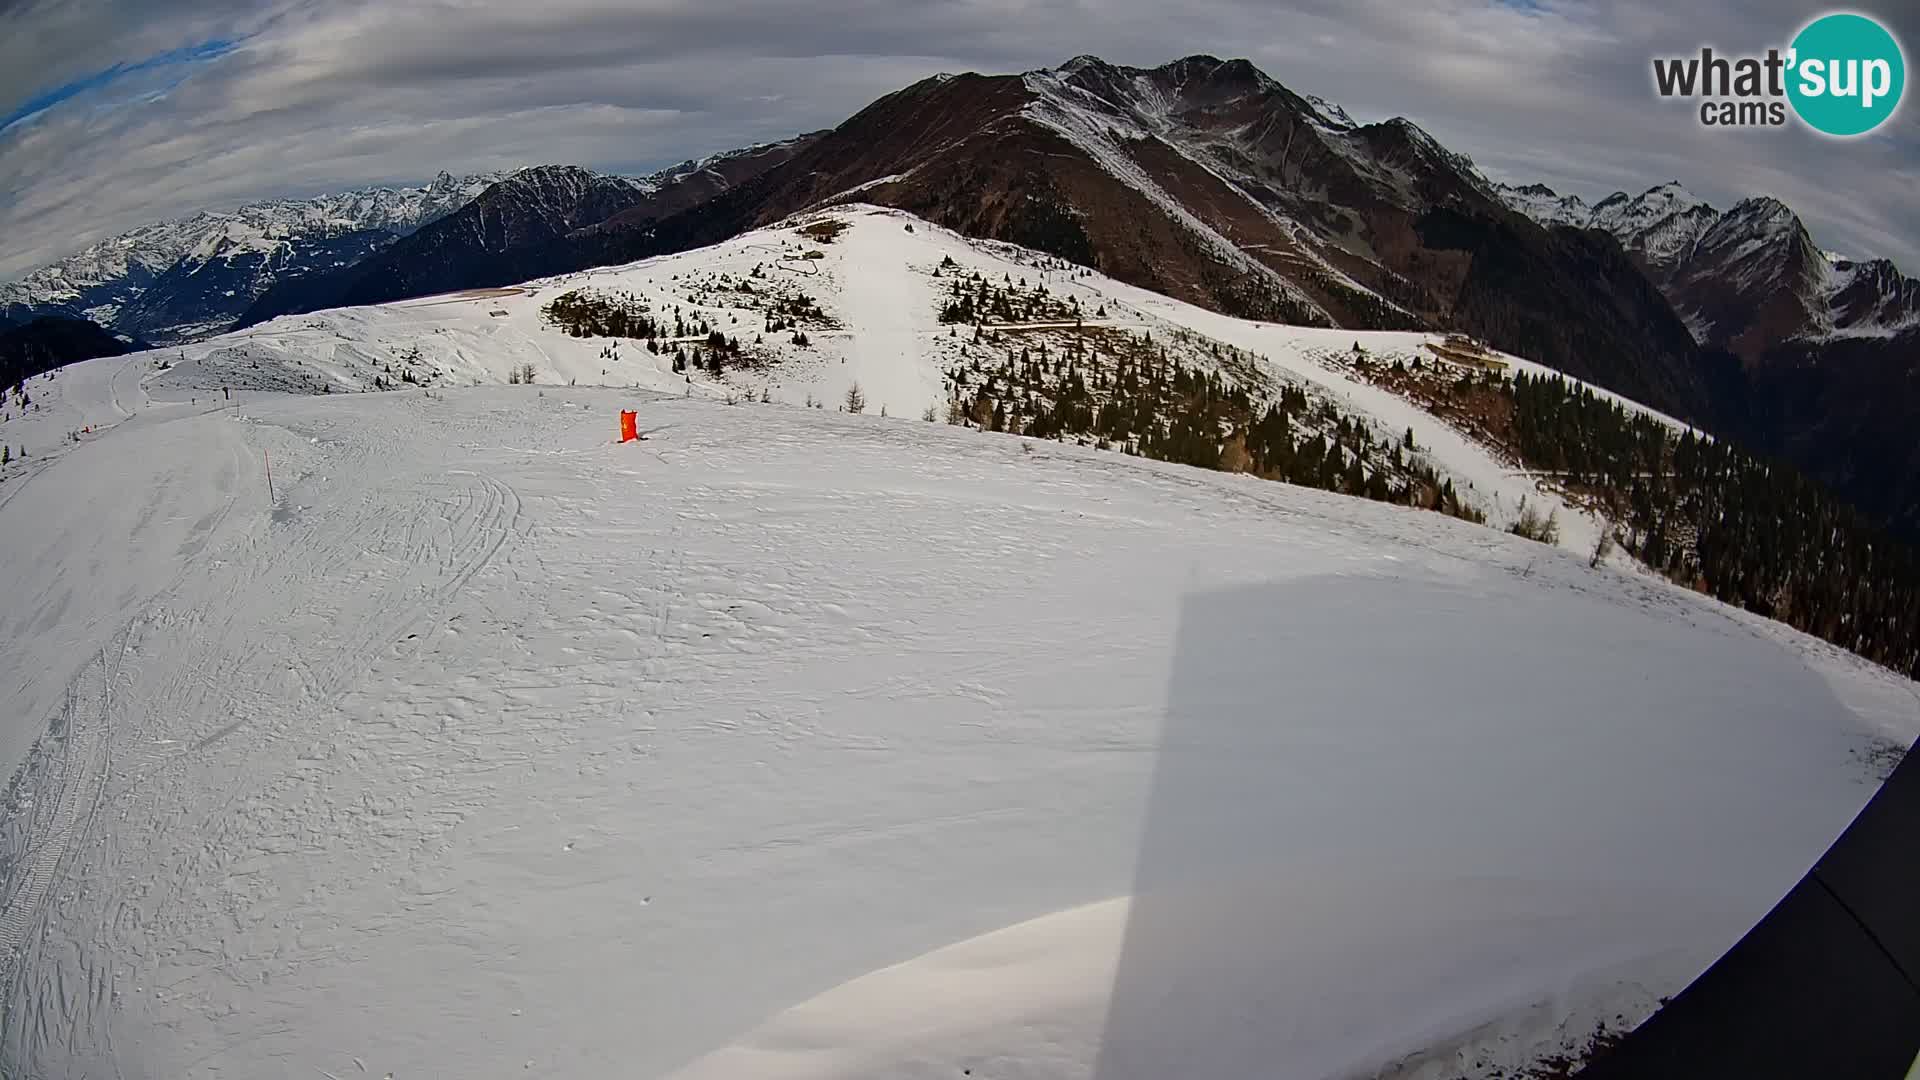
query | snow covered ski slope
(789,743)
(872,292)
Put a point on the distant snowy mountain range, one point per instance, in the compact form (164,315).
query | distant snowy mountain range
(1744,278)
(489,240)
(192,276)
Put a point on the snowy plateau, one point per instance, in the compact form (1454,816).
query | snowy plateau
(435,733)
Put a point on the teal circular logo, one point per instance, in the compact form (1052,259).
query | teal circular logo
(1846,74)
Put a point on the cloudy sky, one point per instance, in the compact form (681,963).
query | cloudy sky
(118,112)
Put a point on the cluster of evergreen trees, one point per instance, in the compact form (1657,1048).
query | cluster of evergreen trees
(720,353)
(585,313)
(791,312)
(1140,401)
(691,342)
(975,300)
(409,359)
(1748,531)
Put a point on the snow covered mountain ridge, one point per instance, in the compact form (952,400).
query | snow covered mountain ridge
(1202,177)
(98,281)
(1747,277)
(184,279)
(520,228)
(1208,180)
(857,295)
(1223,116)
(718,162)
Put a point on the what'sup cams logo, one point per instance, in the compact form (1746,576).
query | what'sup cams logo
(1843,75)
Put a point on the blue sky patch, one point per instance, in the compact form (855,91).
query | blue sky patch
(189,55)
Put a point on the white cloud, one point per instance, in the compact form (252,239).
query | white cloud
(320,96)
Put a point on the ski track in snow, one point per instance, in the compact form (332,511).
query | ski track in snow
(491,747)
(887,306)
(65,781)
(359,572)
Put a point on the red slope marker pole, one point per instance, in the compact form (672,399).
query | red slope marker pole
(264,456)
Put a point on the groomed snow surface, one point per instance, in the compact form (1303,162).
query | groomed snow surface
(786,743)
